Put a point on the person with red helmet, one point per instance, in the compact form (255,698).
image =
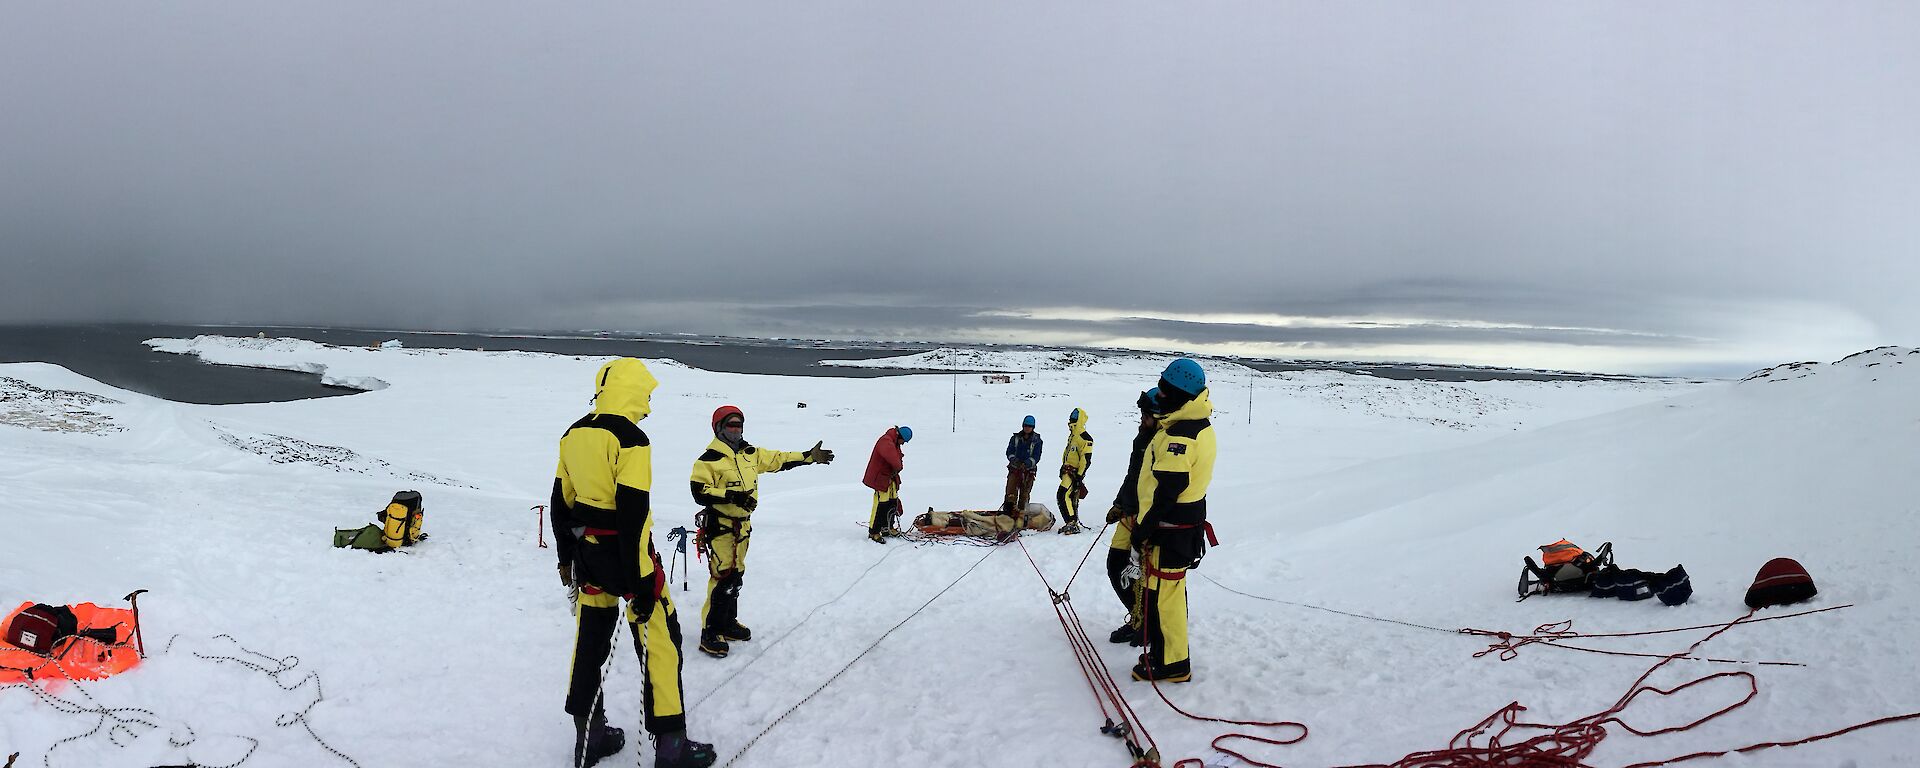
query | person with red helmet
(726,485)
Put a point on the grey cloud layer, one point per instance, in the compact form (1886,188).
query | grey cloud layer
(495,164)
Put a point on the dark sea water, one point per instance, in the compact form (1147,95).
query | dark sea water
(113,354)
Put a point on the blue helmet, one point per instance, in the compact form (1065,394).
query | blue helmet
(1149,401)
(1185,374)
(1028,421)
(906,433)
(1074,418)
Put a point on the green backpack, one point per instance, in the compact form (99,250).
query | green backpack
(366,537)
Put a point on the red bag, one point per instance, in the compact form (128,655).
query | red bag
(38,628)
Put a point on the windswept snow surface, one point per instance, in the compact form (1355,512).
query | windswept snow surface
(1407,500)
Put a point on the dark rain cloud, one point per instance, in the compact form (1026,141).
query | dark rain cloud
(1709,174)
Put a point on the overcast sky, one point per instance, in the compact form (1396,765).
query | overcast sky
(1620,186)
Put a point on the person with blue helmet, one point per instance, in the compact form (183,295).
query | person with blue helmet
(1074,463)
(883,476)
(1123,570)
(1170,526)
(1023,466)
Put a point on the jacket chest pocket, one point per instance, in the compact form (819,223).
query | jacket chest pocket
(736,477)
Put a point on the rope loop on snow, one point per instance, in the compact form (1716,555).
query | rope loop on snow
(119,722)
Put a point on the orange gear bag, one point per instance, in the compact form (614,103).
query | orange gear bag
(77,656)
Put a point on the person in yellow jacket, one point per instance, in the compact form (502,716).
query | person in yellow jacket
(603,534)
(726,485)
(1121,551)
(1171,525)
(1074,463)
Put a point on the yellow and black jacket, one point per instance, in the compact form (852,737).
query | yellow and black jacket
(722,477)
(601,490)
(1171,491)
(1078,457)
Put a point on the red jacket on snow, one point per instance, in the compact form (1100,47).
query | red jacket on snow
(883,467)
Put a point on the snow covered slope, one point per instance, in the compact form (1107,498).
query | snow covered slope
(1409,500)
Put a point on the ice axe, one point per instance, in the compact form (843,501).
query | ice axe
(678,536)
(139,643)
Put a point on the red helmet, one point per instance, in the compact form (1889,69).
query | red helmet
(720,414)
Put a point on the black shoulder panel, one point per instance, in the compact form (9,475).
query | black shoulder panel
(1189,429)
(711,455)
(626,431)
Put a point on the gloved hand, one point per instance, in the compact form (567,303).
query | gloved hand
(819,455)
(643,605)
(566,574)
(650,588)
(743,500)
(1114,513)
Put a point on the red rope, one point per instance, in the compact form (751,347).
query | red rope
(1808,740)
(1568,745)
(1147,653)
(1105,690)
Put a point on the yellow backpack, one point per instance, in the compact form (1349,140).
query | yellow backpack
(402,519)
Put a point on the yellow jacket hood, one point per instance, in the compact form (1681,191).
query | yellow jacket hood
(624,387)
(1080,423)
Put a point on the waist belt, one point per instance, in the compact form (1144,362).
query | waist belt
(1160,574)
(1212,540)
(599,532)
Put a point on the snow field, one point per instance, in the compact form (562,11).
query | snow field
(1404,500)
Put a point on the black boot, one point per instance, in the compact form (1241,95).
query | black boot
(1177,672)
(1127,633)
(737,633)
(593,740)
(675,750)
(713,645)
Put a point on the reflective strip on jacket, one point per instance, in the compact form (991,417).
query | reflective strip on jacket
(721,470)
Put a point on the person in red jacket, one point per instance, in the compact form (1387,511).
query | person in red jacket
(883,476)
